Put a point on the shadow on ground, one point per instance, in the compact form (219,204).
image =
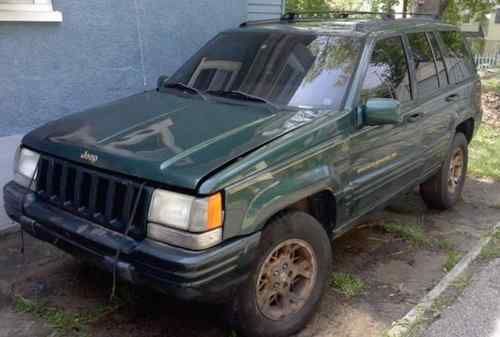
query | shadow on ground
(396,273)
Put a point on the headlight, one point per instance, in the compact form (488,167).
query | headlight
(172,215)
(25,166)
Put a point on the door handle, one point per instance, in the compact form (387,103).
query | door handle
(452,98)
(415,117)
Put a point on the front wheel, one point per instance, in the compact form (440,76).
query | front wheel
(443,190)
(288,278)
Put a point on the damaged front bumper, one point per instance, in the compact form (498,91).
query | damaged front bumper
(210,275)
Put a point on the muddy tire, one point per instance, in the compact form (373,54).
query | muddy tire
(288,278)
(443,190)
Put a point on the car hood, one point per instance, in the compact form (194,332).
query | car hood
(162,137)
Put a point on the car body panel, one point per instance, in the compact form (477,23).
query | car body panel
(266,160)
(161,137)
(312,159)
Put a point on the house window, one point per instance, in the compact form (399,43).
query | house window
(497,17)
(29,11)
(215,75)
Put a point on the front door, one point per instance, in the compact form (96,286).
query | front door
(385,159)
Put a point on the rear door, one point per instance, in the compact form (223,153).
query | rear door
(434,96)
(464,82)
(385,159)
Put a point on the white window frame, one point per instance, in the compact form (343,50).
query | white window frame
(229,66)
(29,11)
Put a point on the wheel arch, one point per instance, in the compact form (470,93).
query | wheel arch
(321,205)
(467,128)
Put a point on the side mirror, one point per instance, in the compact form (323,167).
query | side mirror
(161,81)
(380,111)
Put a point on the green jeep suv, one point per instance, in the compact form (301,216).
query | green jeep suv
(231,179)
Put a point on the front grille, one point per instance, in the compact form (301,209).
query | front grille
(102,198)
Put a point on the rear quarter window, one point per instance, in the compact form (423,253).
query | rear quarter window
(457,56)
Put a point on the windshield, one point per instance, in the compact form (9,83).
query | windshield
(291,69)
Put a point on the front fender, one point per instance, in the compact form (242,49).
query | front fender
(311,159)
(282,193)
(254,200)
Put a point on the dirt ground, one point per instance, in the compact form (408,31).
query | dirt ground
(491,108)
(396,274)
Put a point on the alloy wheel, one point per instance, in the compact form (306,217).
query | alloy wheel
(286,279)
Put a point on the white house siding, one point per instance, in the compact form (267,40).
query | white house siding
(265,9)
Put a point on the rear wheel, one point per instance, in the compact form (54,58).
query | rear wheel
(443,190)
(288,278)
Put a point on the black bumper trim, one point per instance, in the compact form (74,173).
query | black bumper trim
(209,275)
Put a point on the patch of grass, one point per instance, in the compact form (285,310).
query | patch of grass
(440,304)
(484,158)
(444,244)
(347,284)
(452,259)
(411,233)
(462,282)
(64,323)
(492,249)
(491,84)
(425,317)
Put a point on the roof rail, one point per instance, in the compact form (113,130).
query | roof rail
(262,22)
(320,15)
(325,15)
(421,15)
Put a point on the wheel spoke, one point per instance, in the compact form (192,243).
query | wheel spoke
(286,279)
(303,269)
(456,170)
(295,298)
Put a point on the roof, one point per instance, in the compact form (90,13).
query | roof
(352,26)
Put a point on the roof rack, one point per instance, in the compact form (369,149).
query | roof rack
(325,15)
(315,15)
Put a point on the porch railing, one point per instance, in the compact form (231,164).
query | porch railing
(487,61)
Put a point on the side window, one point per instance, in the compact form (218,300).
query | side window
(443,76)
(425,69)
(388,73)
(457,56)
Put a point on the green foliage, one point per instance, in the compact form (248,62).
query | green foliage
(443,244)
(484,160)
(345,5)
(462,282)
(460,11)
(307,5)
(491,84)
(492,249)
(64,323)
(323,5)
(385,6)
(451,261)
(347,284)
(412,233)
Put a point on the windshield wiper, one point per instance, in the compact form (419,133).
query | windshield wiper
(185,87)
(235,94)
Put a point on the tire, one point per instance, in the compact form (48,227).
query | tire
(257,313)
(442,191)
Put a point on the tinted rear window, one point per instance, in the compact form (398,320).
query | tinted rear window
(425,69)
(457,57)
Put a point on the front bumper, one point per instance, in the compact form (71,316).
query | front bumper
(209,275)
